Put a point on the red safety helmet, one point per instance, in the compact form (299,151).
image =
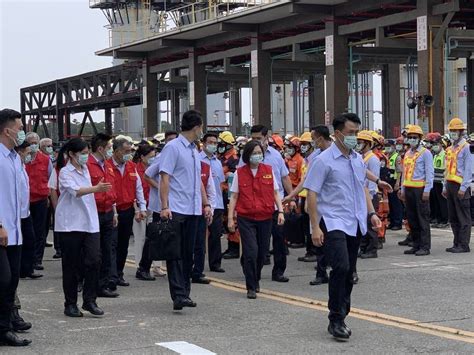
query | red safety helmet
(433,137)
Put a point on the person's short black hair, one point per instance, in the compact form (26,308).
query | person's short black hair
(6,116)
(99,140)
(191,119)
(22,147)
(340,120)
(170,133)
(143,150)
(258,128)
(207,135)
(119,143)
(73,145)
(248,150)
(322,131)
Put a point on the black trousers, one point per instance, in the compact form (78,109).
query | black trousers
(440,204)
(107,236)
(279,247)
(124,231)
(80,250)
(179,271)
(10,260)
(255,239)
(370,240)
(28,247)
(214,240)
(310,247)
(396,209)
(39,214)
(341,253)
(459,215)
(321,262)
(199,249)
(418,215)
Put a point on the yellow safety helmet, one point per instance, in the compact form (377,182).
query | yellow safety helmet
(414,129)
(227,137)
(306,137)
(365,136)
(456,124)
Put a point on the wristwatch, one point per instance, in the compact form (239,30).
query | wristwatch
(372,214)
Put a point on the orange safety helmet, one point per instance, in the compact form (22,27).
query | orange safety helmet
(295,141)
(278,140)
(433,137)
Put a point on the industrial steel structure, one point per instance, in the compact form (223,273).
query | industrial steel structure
(192,49)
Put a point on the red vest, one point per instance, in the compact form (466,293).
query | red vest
(125,186)
(205,172)
(146,188)
(256,194)
(38,174)
(104,200)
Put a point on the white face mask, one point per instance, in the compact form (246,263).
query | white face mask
(360,147)
(256,158)
(49,150)
(211,148)
(304,148)
(399,147)
(413,142)
(28,159)
(290,151)
(454,136)
(34,148)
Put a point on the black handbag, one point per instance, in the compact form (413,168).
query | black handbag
(164,240)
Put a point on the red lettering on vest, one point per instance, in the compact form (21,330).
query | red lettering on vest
(125,186)
(104,200)
(256,194)
(38,174)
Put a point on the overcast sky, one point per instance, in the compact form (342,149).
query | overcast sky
(46,40)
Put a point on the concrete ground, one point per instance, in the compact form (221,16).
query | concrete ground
(405,304)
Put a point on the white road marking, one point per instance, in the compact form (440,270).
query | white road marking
(185,348)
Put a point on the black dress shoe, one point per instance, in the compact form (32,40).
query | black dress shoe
(372,255)
(411,251)
(11,339)
(93,309)
(280,278)
(450,250)
(31,276)
(319,280)
(18,323)
(310,259)
(355,278)
(107,293)
(38,267)
(188,302)
(337,330)
(144,275)
(348,330)
(267,261)
(251,294)
(72,311)
(230,255)
(422,252)
(296,245)
(48,245)
(404,242)
(457,250)
(217,269)
(201,280)
(57,255)
(122,282)
(179,304)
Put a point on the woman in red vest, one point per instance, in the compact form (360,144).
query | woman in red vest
(254,197)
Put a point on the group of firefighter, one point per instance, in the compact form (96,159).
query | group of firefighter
(430,178)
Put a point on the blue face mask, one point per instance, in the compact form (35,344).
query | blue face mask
(34,148)
(127,157)
(211,148)
(28,159)
(49,150)
(256,159)
(151,160)
(108,153)
(20,138)
(350,142)
(82,159)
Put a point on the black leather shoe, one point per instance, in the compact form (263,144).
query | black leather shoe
(422,252)
(450,250)
(319,280)
(337,330)
(267,261)
(48,245)
(201,280)
(31,276)
(348,330)
(230,255)
(38,267)
(188,302)
(395,228)
(411,251)
(310,259)
(93,309)
(57,255)
(355,278)
(18,323)
(280,278)
(217,269)
(122,282)
(296,245)
(251,294)
(11,339)
(72,311)
(107,293)
(405,242)
(460,250)
(372,255)
(144,276)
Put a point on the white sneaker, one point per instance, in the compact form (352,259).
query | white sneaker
(157,271)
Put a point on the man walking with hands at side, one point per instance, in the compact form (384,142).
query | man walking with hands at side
(338,205)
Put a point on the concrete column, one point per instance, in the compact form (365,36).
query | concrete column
(149,101)
(391,100)
(430,67)
(316,100)
(235,111)
(261,73)
(337,65)
(174,107)
(197,87)
(108,121)
(470,94)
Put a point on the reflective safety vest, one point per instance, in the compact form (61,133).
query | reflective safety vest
(368,156)
(439,166)
(409,163)
(452,163)
(393,166)
(304,170)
